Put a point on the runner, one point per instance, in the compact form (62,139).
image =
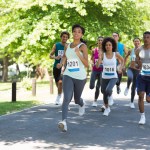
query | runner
(57,53)
(132,71)
(96,72)
(121,48)
(143,79)
(109,59)
(74,77)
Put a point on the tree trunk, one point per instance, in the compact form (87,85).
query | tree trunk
(5,69)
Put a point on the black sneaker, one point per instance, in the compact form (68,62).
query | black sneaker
(118,90)
(102,109)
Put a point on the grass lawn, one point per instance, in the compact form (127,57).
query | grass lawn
(9,107)
(24,98)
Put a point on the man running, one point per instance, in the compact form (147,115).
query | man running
(143,79)
(57,53)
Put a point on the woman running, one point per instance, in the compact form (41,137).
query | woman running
(109,59)
(132,71)
(74,77)
(96,72)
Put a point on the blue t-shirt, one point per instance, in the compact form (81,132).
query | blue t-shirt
(120,49)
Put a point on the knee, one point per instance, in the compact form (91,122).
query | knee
(148,98)
(141,96)
(60,82)
(108,92)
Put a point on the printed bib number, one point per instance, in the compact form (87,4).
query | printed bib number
(60,52)
(73,65)
(146,68)
(109,70)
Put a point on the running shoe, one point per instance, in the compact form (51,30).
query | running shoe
(126,91)
(62,125)
(94,104)
(142,120)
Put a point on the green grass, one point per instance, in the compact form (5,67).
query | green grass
(8,86)
(124,78)
(9,107)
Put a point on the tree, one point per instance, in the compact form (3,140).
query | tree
(28,29)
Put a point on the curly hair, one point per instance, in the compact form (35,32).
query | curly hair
(112,41)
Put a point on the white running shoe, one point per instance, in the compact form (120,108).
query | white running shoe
(142,120)
(58,101)
(106,111)
(126,91)
(94,104)
(62,125)
(82,110)
(132,105)
(110,100)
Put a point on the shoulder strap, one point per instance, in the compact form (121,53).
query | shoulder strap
(79,45)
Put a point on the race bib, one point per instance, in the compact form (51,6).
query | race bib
(109,70)
(96,60)
(133,58)
(60,53)
(146,68)
(73,65)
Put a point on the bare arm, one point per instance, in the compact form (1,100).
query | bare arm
(100,59)
(138,60)
(51,55)
(125,50)
(64,60)
(126,57)
(92,57)
(83,58)
(121,61)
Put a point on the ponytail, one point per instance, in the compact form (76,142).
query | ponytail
(83,41)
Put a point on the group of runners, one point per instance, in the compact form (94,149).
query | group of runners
(108,60)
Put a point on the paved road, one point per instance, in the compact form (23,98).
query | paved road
(36,128)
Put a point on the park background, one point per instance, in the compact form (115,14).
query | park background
(29,28)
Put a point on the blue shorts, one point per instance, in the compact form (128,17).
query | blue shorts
(143,84)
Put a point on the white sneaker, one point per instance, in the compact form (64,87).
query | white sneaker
(106,111)
(132,105)
(126,91)
(62,125)
(82,110)
(58,101)
(142,120)
(94,104)
(110,100)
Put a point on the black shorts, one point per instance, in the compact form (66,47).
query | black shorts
(143,84)
(57,74)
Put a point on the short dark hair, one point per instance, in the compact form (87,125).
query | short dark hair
(100,37)
(136,38)
(146,32)
(116,33)
(111,40)
(78,26)
(65,32)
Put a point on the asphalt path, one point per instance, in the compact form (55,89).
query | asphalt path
(36,128)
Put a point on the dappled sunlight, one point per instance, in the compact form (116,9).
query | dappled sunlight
(37,128)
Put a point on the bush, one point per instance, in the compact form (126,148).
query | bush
(26,83)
